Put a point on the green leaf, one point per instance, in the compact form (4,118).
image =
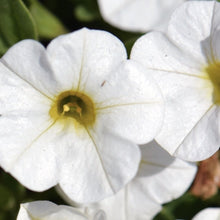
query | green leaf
(84,14)
(16,23)
(6,200)
(86,10)
(165,214)
(48,25)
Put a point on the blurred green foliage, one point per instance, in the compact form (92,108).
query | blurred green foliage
(16,23)
(48,25)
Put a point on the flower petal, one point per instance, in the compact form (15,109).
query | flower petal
(215,32)
(47,210)
(95,164)
(128,204)
(158,52)
(141,15)
(130,102)
(182,82)
(155,183)
(95,213)
(192,33)
(208,213)
(24,117)
(83,55)
(32,66)
(203,141)
(141,206)
(160,170)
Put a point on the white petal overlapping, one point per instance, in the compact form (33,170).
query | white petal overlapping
(136,106)
(92,161)
(207,129)
(164,186)
(88,161)
(156,183)
(177,61)
(43,210)
(181,85)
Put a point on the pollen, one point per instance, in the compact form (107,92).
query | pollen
(73,105)
(213,71)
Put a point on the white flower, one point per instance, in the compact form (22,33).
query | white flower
(138,15)
(186,64)
(141,15)
(161,178)
(45,210)
(208,213)
(71,114)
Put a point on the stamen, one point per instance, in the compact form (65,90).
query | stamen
(73,105)
(72,108)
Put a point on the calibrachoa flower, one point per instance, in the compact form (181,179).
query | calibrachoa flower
(45,210)
(144,15)
(70,114)
(161,178)
(186,63)
(208,213)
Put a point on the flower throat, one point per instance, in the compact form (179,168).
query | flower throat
(75,105)
(213,71)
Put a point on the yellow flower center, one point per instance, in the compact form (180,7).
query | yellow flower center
(213,71)
(73,105)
